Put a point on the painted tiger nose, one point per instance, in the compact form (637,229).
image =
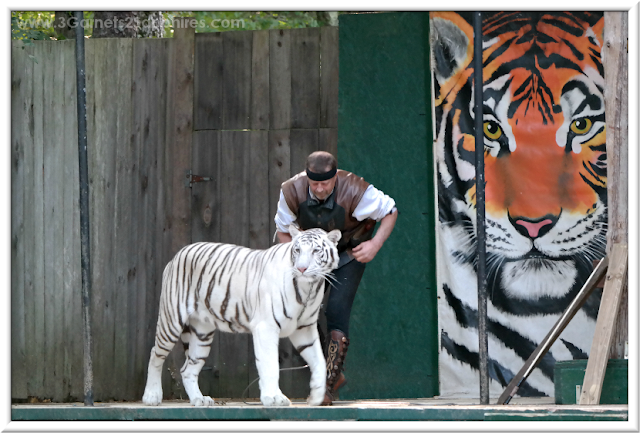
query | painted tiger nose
(302,270)
(533,229)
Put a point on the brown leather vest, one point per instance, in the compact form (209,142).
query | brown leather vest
(335,212)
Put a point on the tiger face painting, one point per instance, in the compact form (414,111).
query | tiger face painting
(545,189)
(272,294)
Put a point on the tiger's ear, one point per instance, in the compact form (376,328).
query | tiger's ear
(294,231)
(334,236)
(451,44)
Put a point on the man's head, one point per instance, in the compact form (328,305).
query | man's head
(321,172)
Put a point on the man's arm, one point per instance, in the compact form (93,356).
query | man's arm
(366,251)
(283,238)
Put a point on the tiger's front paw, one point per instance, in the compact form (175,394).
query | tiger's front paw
(202,401)
(316,396)
(152,398)
(278,399)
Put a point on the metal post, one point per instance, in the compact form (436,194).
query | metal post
(483,351)
(85,258)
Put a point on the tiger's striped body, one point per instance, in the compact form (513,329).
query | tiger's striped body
(545,186)
(272,294)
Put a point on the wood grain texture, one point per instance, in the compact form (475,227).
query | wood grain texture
(260,80)
(237,80)
(305,78)
(280,79)
(329,77)
(19,145)
(605,325)
(208,81)
(615,60)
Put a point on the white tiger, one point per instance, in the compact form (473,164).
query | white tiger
(272,293)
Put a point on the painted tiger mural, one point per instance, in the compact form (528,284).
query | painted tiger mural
(272,293)
(545,189)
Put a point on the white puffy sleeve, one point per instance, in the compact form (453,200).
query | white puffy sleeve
(374,204)
(284,216)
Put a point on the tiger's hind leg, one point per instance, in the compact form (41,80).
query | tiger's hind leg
(197,341)
(165,340)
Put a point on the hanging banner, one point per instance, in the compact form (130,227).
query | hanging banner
(546,196)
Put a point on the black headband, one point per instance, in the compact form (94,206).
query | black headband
(319,177)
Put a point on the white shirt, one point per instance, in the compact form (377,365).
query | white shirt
(374,204)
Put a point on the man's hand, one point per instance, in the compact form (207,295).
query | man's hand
(283,238)
(366,251)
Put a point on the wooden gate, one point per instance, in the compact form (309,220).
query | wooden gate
(244,108)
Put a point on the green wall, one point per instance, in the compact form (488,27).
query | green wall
(385,135)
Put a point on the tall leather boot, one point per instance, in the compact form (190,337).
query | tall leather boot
(336,352)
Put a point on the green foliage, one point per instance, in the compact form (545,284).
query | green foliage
(31,25)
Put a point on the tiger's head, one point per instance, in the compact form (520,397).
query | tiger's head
(314,252)
(544,148)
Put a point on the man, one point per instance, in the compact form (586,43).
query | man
(324,197)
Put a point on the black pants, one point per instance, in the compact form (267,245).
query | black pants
(341,295)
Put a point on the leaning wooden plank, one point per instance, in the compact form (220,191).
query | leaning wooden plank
(237,80)
(305,78)
(605,325)
(554,333)
(19,142)
(280,79)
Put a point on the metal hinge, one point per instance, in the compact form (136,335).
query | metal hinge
(190,178)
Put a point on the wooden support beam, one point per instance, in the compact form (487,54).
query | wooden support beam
(554,333)
(605,326)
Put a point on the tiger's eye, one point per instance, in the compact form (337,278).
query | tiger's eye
(581,126)
(492,130)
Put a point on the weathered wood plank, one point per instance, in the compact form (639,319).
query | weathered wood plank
(19,144)
(280,79)
(179,136)
(303,142)
(329,74)
(206,209)
(603,335)
(328,140)
(38,366)
(27,124)
(259,202)
(615,61)
(260,80)
(237,80)
(279,170)
(102,170)
(305,78)
(234,228)
(123,253)
(72,346)
(54,217)
(208,84)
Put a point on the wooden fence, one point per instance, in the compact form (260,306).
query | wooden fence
(242,107)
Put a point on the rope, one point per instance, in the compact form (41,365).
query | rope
(244,393)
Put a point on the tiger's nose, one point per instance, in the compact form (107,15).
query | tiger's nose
(534,229)
(302,270)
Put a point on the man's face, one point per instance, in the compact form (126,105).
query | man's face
(322,189)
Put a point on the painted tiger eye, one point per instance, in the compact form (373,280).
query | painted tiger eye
(581,126)
(492,130)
